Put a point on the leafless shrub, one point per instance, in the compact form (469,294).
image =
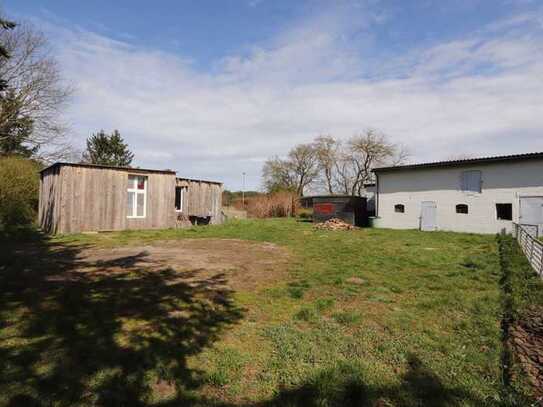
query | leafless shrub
(274,205)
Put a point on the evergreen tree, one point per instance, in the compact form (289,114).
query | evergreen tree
(15,128)
(106,149)
(5,25)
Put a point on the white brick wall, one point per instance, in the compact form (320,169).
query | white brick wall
(502,182)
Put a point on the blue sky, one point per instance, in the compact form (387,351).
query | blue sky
(213,88)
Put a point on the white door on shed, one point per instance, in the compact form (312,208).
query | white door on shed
(428,216)
(531,212)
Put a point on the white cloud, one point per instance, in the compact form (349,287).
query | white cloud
(481,94)
(320,48)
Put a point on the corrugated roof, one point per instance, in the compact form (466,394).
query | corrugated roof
(468,161)
(111,167)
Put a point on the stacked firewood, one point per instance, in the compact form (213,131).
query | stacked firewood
(334,224)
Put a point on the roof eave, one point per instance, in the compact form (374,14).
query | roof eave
(459,163)
(111,167)
(199,180)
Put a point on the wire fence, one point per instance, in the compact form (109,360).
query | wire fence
(528,239)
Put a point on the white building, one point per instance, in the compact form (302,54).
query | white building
(481,195)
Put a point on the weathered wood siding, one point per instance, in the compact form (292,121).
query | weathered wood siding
(202,199)
(78,199)
(49,204)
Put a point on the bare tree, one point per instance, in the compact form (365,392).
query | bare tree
(369,150)
(344,171)
(327,152)
(342,167)
(401,155)
(354,160)
(299,170)
(277,175)
(32,77)
(304,165)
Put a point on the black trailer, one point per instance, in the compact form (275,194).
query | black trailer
(350,209)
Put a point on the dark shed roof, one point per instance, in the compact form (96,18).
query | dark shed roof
(469,161)
(128,169)
(199,180)
(111,167)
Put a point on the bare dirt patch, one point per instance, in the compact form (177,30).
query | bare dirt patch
(232,264)
(526,341)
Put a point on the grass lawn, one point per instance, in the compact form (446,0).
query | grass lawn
(368,317)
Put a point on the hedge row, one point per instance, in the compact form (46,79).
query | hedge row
(19,185)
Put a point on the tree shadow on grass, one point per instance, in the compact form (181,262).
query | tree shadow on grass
(106,333)
(345,386)
(118,333)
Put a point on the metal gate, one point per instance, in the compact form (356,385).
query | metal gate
(531,214)
(531,247)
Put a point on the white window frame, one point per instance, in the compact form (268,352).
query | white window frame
(138,191)
(183,189)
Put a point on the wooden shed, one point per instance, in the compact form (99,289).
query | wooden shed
(84,197)
(198,200)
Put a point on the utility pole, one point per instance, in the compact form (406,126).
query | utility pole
(243,191)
